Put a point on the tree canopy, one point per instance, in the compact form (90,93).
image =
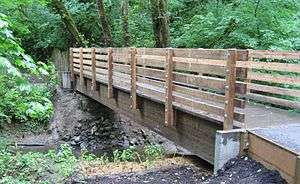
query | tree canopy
(256,24)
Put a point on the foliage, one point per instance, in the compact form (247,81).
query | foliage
(208,24)
(58,166)
(18,167)
(153,152)
(21,100)
(239,24)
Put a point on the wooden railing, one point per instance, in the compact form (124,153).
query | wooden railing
(274,77)
(204,82)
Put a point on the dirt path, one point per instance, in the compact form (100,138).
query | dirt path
(238,171)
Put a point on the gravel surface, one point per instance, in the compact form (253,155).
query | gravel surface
(181,174)
(287,136)
(237,171)
(244,170)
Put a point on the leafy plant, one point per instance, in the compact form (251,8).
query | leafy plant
(153,152)
(21,100)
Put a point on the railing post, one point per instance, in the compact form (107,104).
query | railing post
(169,114)
(110,74)
(71,67)
(133,61)
(248,70)
(81,78)
(230,89)
(93,57)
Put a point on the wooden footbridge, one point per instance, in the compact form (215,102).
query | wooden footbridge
(188,94)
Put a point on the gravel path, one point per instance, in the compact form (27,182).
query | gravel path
(287,136)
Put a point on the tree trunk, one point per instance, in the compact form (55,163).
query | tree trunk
(126,35)
(160,21)
(68,21)
(104,24)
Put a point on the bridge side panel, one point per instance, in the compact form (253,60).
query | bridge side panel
(193,133)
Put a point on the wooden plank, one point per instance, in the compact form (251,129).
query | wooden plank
(122,68)
(285,67)
(150,72)
(199,105)
(151,51)
(85,56)
(283,79)
(206,82)
(274,90)
(297,172)
(101,50)
(102,57)
(101,64)
(274,54)
(274,100)
(273,154)
(84,61)
(218,54)
(71,65)
(206,95)
(169,113)
(86,50)
(230,90)
(121,58)
(133,61)
(75,50)
(110,74)
(191,79)
(81,81)
(209,66)
(93,54)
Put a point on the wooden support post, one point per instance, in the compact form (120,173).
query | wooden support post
(110,74)
(81,79)
(169,114)
(133,61)
(94,83)
(71,66)
(230,89)
(248,70)
(297,172)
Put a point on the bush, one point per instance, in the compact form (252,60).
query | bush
(24,84)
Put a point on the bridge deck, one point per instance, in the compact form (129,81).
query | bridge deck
(258,115)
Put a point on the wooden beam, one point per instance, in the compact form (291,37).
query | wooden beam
(169,114)
(93,87)
(133,61)
(71,65)
(297,172)
(230,89)
(110,73)
(81,78)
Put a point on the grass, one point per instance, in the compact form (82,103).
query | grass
(58,166)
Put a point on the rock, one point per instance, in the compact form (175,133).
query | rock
(76,138)
(93,130)
(73,143)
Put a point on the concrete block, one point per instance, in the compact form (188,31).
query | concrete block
(227,146)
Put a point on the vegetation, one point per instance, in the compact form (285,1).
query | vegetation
(59,166)
(41,25)
(21,100)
